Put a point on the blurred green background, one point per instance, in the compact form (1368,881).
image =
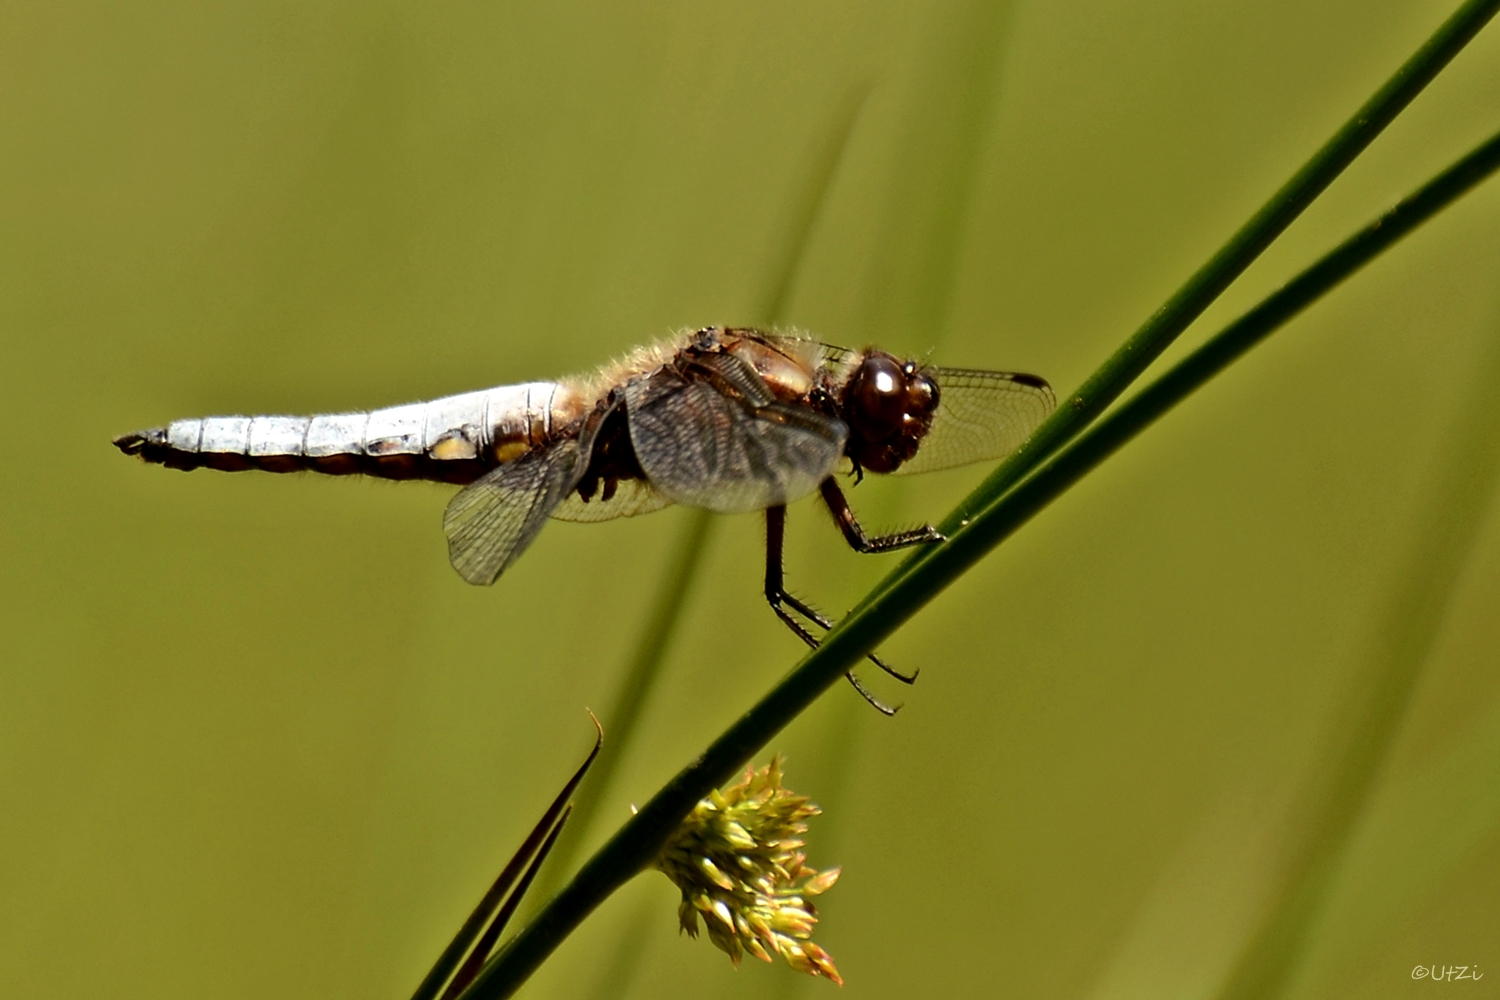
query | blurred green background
(258,739)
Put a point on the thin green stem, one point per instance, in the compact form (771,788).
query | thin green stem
(637,842)
(936,170)
(807,206)
(539,840)
(486,942)
(1144,346)
(639,680)
(1362,735)
(995,523)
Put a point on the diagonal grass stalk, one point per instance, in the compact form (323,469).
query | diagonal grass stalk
(889,607)
(1001,518)
(1361,742)
(1158,333)
(907,288)
(635,688)
(486,942)
(499,902)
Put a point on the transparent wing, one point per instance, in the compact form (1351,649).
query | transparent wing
(490,522)
(825,355)
(981,415)
(632,498)
(702,448)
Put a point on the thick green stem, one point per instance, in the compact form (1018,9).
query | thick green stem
(984,531)
(1164,326)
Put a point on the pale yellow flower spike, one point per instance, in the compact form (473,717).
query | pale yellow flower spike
(738,860)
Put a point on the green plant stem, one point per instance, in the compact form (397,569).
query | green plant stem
(640,678)
(987,529)
(638,841)
(1113,377)
(478,956)
(1369,721)
(537,843)
(807,205)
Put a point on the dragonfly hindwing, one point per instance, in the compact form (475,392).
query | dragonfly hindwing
(702,448)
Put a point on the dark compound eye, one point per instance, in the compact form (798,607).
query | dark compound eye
(921,395)
(889,408)
(875,400)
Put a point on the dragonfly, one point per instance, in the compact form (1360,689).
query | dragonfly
(731,420)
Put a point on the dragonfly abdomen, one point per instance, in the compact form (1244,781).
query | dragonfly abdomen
(455,439)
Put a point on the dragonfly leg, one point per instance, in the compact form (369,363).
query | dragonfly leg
(855,535)
(781,601)
(874,702)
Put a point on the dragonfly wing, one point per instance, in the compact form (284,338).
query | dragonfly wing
(632,498)
(796,345)
(980,415)
(490,522)
(702,448)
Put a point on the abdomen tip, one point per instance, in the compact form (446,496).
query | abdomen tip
(136,442)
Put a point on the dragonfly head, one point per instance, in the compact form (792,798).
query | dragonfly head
(888,405)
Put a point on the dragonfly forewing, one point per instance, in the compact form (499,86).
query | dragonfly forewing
(981,415)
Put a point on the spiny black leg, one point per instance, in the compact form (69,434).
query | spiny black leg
(855,535)
(779,600)
(812,615)
(875,703)
(908,679)
(776,594)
